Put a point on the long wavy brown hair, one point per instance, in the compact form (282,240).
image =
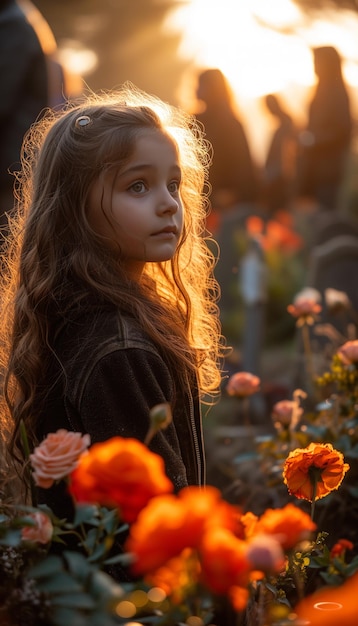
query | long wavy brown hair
(53,248)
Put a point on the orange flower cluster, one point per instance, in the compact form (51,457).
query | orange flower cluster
(276,234)
(318,467)
(120,472)
(340,547)
(289,524)
(231,549)
(331,606)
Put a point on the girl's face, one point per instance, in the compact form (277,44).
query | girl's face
(138,208)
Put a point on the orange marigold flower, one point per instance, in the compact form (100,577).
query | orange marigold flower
(243,384)
(331,605)
(348,353)
(341,546)
(174,522)
(319,463)
(176,575)
(238,597)
(224,560)
(289,525)
(120,472)
(248,521)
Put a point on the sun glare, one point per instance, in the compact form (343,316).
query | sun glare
(262,47)
(243,39)
(232,35)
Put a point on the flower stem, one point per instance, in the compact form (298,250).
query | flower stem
(308,354)
(314,474)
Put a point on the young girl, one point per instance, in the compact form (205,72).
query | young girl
(109,307)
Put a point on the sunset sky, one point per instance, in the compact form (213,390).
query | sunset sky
(262,46)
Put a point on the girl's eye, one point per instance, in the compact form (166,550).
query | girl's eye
(138,187)
(173,187)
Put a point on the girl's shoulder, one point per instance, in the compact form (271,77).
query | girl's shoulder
(96,329)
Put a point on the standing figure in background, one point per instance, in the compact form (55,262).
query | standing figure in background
(31,79)
(24,84)
(325,143)
(280,165)
(232,173)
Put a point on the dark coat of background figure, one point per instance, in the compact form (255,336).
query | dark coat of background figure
(325,143)
(31,79)
(279,169)
(232,174)
(24,86)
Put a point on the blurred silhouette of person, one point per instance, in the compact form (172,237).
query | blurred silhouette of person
(279,169)
(325,143)
(31,80)
(232,174)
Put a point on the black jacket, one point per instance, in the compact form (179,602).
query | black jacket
(105,377)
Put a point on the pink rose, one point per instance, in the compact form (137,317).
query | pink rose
(306,305)
(243,384)
(41,532)
(57,456)
(349,352)
(282,411)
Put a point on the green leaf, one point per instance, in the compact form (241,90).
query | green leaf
(110,521)
(91,539)
(77,564)
(103,587)
(352,567)
(48,567)
(98,552)
(74,600)
(60,583)
(62,616)
(11,538)
(123,559)
(85,514)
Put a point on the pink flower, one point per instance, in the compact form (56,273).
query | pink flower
(348,353)
(243,384)
(57,456)
(305,306)
(265,553)
(282,412)
(287,413)
(41,532)
(337,300)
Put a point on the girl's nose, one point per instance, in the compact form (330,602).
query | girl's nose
(167,203)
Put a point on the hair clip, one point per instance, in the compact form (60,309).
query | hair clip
(83,121)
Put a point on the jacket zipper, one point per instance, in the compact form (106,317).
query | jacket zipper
(195,437)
